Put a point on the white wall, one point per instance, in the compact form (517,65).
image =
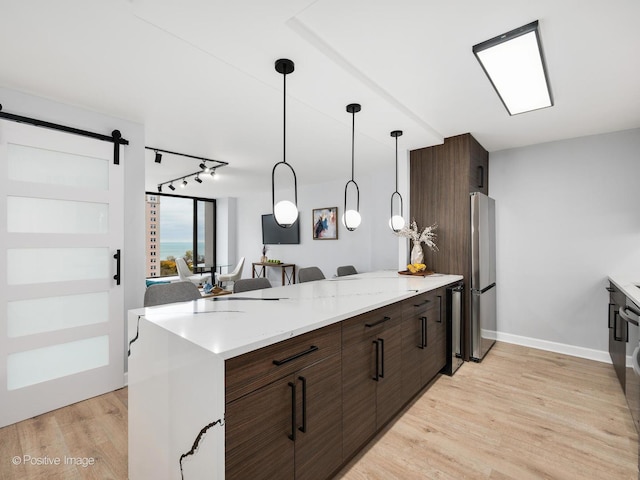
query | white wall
(567,215)
(373,246)
(133,250)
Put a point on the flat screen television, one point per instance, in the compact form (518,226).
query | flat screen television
(273,234)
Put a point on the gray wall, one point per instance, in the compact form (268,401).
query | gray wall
(567,215)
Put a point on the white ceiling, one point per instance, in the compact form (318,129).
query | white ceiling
(199,74)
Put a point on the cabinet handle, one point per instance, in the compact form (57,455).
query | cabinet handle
(612,313)
(381,357)
(439,320)
(311,349)
(377,376)
(480,176)
(615,328)
(369,325)
(611,289)
(423,326)
(303,428)
(293,411)
(116,255)
(421,304)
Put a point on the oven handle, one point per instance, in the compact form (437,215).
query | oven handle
(625,316)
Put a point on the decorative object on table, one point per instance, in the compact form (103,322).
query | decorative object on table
(263,258)
(416,269)
(207,287)
(285,212)
(396,220)
(273,260)
(325,225)
(351,217)
(426,236)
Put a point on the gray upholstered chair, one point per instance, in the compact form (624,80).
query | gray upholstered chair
(248,284)
(186,276)
(170,293)
(310,274)
(345,270)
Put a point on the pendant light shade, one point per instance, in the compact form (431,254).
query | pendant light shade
(396,220)
(351,218)
(285,212)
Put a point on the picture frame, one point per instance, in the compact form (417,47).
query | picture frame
(325,223)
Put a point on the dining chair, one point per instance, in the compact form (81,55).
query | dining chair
(345,270)
(249,284)
(309,274)
(163,293)
(186,276)
(233,276)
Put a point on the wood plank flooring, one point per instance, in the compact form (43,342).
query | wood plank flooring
(520,414)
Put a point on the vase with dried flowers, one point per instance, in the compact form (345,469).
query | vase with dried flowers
(426,236)
(264,258)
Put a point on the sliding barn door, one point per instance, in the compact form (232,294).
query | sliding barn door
(61,310)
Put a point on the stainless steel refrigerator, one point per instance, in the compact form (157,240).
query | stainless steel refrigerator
(483,275)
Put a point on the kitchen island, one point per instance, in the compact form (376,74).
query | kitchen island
(192,363)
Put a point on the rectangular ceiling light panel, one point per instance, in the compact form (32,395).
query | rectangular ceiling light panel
(515,65)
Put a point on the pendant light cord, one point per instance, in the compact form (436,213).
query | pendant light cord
(396,164)
(353,129)
(284,119)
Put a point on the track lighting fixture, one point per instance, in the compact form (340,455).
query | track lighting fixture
(207,165)
(285,212)
(351,217)
(396,221)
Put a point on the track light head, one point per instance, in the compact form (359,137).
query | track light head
(184,183)
(171,187)
(213,173)
(158,157)
(160,188)
(198,179)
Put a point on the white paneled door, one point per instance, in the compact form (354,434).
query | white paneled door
(61,309)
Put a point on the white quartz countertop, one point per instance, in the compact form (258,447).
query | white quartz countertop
(628,286)
(234,324)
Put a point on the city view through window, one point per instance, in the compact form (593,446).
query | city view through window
(179,227)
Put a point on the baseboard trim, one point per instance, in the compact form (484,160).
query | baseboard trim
(588,353)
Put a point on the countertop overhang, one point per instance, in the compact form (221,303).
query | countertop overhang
(231,325)
(628,286)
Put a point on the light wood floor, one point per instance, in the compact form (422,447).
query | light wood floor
(520,414)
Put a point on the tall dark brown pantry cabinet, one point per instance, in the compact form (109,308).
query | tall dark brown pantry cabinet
(442,179)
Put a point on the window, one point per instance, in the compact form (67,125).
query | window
(185,227)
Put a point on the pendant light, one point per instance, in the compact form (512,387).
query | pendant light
(351,218)
(396,221)
(285,212)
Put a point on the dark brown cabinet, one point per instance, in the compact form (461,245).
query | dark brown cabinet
(442,178)
(301,408)
(290,427)
(372,374)
(618,333)
(423,341)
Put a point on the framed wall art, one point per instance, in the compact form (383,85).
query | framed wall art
(325,223)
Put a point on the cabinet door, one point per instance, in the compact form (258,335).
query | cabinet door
(412,349)
(358,384)
(436,351)
(318,445)
(389,388)
(257,427)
